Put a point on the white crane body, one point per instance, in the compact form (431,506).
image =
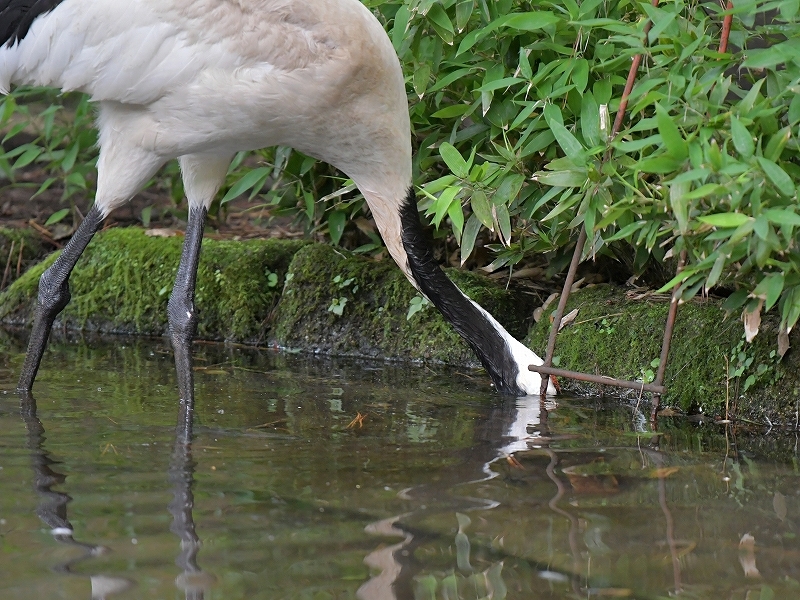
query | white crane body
(200,80)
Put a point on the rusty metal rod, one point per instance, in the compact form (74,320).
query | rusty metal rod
(671,315)
(562,303)
(726,29)
(637,60)
(634,385)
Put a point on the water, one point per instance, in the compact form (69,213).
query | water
(311,478)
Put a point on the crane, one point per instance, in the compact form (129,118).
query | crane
(199,80)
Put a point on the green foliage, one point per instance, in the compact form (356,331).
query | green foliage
(511,105)
(417,304)
(62,141)
(512,116)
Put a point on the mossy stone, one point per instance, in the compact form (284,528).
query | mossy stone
(122,283)
(615,336)
(339,303)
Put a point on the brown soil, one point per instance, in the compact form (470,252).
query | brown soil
(239,219)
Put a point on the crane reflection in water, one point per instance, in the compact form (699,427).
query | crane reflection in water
(52,509)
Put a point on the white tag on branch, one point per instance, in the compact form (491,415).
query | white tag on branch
(752,321)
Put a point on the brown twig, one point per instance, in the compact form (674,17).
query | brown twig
(19,258)
(7,271)
(48,237)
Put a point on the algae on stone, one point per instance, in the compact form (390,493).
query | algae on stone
(122,283)
(343,304)
(618,337)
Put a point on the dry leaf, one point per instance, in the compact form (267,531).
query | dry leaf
(783,342)
(550,299)
(161,232)
(752,321)
(568,318)
(663,472)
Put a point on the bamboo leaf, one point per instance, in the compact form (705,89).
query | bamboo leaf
(453,159)
(742,140)
(777,176)
(57,216)
(725,219)
(482,209)
(336,223)
(464,10)
(471,230)
(673,140)
(248,181)
(561,178)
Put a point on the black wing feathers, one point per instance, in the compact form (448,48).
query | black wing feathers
(17,16)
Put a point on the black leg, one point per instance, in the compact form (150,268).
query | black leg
(54,295)
(182,317)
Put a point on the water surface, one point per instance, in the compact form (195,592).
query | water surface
(313,478)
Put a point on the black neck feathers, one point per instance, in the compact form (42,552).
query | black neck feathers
(17,16)
(465,317)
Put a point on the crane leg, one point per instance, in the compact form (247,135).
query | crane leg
(180,309)
(54,295)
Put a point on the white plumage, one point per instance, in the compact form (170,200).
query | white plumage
(202,79)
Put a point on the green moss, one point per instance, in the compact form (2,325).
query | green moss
(373,319)
(621,338)
(123,281)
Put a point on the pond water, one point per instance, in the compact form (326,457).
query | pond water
(311,478)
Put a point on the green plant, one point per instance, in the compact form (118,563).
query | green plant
(510,104)
(416,304)
(648,374)
(742,366)
(60,139)
(515,99)
(337,306)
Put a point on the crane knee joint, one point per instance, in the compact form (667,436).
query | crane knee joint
(53,295)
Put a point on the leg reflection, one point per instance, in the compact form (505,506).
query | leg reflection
(192,581)
(52,509)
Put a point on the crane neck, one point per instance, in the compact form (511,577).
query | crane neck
(488,339)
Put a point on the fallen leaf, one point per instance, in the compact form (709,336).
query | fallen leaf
(511,460)
(358,420)
(783,342)
(568,318)
(752,321)
(663,472)
(577,285)
(161,232)
(549,300)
